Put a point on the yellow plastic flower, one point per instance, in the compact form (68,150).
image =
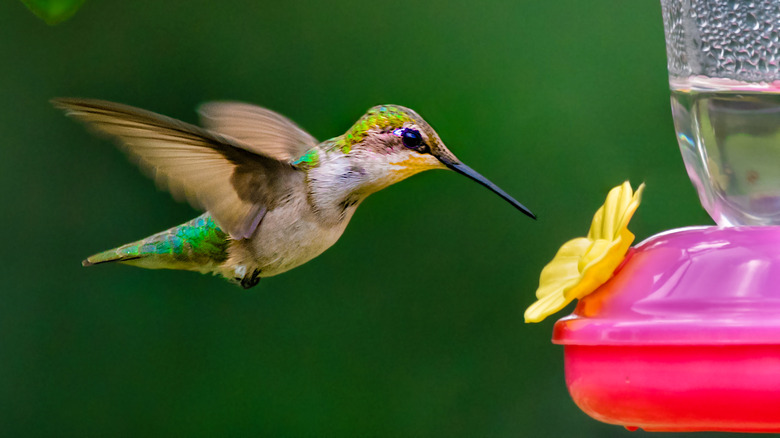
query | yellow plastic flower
(585,263)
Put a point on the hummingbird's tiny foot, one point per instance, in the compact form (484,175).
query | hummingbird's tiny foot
(251,281)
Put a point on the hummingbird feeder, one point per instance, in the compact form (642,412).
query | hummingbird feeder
(682,331)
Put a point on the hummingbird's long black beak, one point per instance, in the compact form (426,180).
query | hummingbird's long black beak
(471,173)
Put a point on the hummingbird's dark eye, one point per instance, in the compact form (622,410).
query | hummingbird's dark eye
(413,140)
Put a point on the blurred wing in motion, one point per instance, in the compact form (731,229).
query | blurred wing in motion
(237,186)
(261,130)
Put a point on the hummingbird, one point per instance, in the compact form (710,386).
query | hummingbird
(274,197)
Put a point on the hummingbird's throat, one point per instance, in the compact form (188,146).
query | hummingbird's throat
(385,172)
(408,166)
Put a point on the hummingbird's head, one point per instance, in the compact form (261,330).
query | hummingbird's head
(392,143)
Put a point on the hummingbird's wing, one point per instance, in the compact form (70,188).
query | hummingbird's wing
(262,130)
(210,171)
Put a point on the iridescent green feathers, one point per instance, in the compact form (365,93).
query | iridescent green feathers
(385,118)
(308,160)
(198,245)
(380,117)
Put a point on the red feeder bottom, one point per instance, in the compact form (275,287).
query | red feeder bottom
(732,388)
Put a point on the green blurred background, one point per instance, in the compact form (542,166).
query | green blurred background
(412,325)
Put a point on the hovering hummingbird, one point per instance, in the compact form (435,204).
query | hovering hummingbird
(274,197)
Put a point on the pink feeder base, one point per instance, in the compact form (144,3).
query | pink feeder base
(684,337)
(676,388)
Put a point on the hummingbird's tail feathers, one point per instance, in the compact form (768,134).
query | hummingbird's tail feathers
(198,245)
(111,255)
